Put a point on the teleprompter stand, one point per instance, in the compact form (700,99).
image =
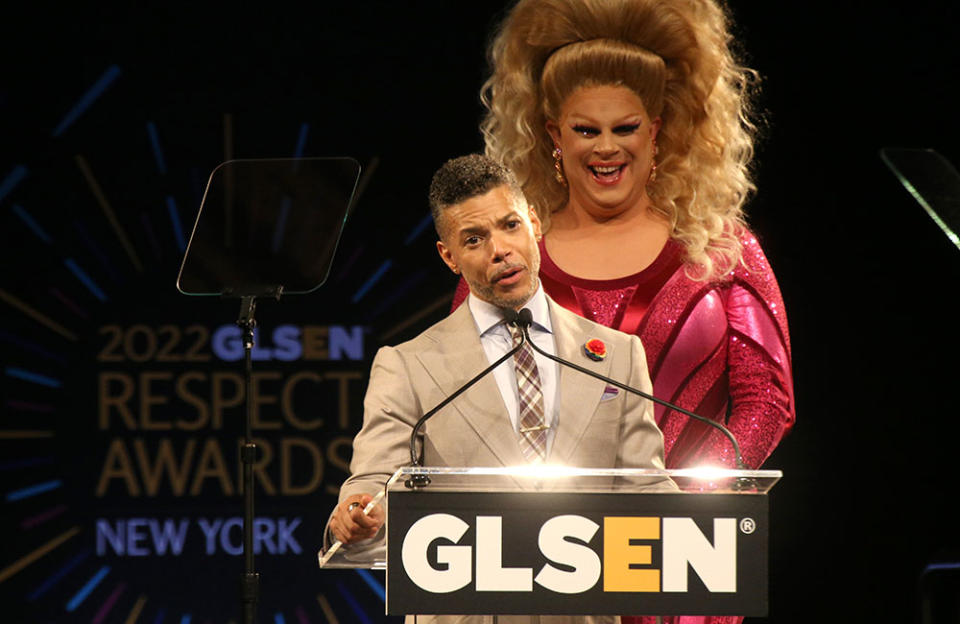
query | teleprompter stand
(265,228)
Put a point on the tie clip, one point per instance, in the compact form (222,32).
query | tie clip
(534,429)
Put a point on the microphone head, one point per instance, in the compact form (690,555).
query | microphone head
(509,315)
(525,317)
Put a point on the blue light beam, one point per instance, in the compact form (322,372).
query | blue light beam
(301,140)
(25,375)
(85,279)
(94,92)
(157,150)
(87,589)
(418,229)
(374,584)
(372,281)
(355,605)
(175,223)
(31,223)
(16,175)
(57,576)
(33,490)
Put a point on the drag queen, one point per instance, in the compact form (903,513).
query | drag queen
(628,124)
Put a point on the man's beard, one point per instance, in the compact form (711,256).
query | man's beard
(488,294)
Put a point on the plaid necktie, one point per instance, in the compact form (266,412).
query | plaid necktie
(533,429)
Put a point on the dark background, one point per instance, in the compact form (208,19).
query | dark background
(869,281)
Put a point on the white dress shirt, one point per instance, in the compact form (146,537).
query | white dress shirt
(496,341)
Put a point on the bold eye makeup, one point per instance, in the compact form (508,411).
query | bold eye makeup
(625,129)
(583,130)
(592,131)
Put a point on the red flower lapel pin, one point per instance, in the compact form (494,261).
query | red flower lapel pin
(595,349)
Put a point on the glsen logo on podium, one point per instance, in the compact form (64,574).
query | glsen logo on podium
(573,566)
(576,553)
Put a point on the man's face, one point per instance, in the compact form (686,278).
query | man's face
(492,240)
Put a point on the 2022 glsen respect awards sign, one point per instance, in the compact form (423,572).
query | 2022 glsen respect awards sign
(155,474)
(576,553)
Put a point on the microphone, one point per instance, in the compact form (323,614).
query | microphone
(525,319)
(418,481)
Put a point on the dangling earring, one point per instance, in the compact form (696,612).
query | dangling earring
(653,166)
(558,165)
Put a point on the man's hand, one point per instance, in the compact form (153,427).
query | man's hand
(349,525)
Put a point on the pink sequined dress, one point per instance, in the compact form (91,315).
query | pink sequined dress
(719,349)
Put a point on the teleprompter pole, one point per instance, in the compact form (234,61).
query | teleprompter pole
(250,583)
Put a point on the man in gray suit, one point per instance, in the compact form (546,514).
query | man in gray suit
(489,235)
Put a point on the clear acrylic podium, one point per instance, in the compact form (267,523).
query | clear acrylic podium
(572,541)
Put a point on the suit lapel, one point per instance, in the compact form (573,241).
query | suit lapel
(579,393)
(457,358)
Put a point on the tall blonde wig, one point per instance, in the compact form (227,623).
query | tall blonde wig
(675,54)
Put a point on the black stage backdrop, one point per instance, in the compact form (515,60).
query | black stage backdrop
(121,410)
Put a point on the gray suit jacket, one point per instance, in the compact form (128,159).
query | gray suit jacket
(597,426)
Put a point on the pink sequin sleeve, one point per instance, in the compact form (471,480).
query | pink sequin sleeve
(758,364)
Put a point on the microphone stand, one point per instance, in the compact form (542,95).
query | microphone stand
(416,459)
